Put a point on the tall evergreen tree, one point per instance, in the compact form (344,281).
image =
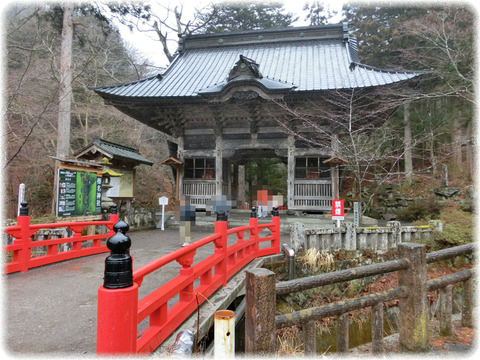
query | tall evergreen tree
(240,16)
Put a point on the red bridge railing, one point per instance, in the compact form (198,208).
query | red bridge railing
(21,248)
(119,309)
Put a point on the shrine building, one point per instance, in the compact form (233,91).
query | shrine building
(219,100)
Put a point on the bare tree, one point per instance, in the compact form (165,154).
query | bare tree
(353,124)
(163,21)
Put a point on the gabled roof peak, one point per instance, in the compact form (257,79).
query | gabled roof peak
(245,67)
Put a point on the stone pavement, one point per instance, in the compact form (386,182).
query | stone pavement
(51,310)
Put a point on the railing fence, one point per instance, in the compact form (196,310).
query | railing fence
(411,292)
(120,310)
(59,247)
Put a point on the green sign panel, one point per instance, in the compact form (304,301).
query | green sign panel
(79,193)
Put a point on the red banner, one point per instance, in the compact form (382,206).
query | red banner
(337,210)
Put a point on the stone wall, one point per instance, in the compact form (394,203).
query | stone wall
(139,218)
(348,237)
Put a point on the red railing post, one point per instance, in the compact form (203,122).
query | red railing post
(253,222)
(23,256)
(221,226)
(117,305)
(276,230)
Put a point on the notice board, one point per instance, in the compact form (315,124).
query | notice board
(122,186)
(79,193)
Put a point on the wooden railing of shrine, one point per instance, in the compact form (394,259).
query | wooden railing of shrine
(312,194)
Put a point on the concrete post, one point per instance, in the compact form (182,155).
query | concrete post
(396,237)
(413,315)
(260,312)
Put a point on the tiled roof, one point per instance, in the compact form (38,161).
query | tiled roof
(301,59)
(114,150)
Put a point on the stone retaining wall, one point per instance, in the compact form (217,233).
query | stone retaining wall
(140,218)
(348,237)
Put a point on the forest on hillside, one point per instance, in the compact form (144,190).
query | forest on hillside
(436,128)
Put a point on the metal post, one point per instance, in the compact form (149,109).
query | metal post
(118,298)
(224,334)
(290,255)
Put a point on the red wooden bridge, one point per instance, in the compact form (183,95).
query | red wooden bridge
(150,311)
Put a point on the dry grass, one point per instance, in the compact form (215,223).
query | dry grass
(317,261)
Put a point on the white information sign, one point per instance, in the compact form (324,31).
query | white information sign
(163,201)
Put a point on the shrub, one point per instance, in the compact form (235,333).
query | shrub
(457,228)
(425,209)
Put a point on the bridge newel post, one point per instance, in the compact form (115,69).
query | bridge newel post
(276,232)
(114,214)
(221,226)
(413,316)
(23,220)
(253,222)
(117,303)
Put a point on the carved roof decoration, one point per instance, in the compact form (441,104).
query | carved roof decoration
(244,67)
(245,82)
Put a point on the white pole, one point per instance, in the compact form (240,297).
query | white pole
(163,217)
(224,334)
(21,197)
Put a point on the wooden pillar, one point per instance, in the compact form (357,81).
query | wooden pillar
(335,182)
(334,168)
(413,315)
(260,308)
(342,333)
(467,303)
(241,186)
(180,170)
(377,328)
(290,171)
(218,164)
(229,180)
(446,310)
(309,338)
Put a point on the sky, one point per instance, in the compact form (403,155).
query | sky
(148,45)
